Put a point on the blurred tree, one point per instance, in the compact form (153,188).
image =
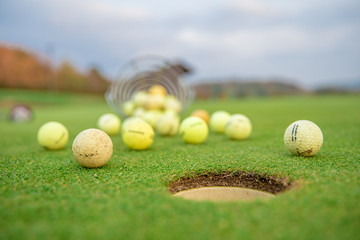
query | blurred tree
(22,69)
(98,83)
(19,69)
(69,79)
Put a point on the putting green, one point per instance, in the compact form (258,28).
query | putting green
(47,195)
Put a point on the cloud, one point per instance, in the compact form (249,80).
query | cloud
(88,13)
(253,7)
(255,43)
(266,36)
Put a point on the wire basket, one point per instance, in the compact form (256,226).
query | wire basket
(144,72)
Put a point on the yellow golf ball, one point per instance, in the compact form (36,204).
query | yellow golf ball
(137,134)
(109,123)
(238,127)
(218,121)
(193,130)
(157,90)
(53,135)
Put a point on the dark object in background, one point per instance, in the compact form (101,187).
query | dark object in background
(143,72)
(21,113)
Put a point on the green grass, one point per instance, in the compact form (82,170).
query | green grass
(47,195)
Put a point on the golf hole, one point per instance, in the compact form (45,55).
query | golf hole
(228,186)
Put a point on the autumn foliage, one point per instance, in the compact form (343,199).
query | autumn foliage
(22,69)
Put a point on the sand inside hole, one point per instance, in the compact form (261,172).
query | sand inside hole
(223,194)
(228,186)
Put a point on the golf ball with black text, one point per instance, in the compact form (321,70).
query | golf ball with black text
(193,130)
(92,148)
(137,134)
(53,135)
(303,138)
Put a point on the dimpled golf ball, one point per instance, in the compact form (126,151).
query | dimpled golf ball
(238,127)
(303,138)
(53,135)
(109,123)
(193,130)
(218,121)
(92,148)
(137,134)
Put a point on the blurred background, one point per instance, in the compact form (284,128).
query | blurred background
(234,48)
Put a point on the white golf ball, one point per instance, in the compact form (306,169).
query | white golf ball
(238,127)
(303,138)
(92,148)
(168,124)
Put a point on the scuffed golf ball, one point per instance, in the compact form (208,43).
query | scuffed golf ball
(137,134)
(303,138)
(218,121)
(193,130)
(238,127)
(92,148)
(53,135)
(109,123)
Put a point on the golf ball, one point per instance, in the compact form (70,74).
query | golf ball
(193,130)
(137,134)
(109,123)
(218,121)
(303,138)
(140,98)
(128,108)
(238,127)
(21,113)
(53,135)
(168,124)
(92,148)
(155,102)
(204,115)
(152,117)
(157,90)
(173,104)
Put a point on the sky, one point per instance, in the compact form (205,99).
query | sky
(309,42)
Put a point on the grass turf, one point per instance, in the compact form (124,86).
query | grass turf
(47,195)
